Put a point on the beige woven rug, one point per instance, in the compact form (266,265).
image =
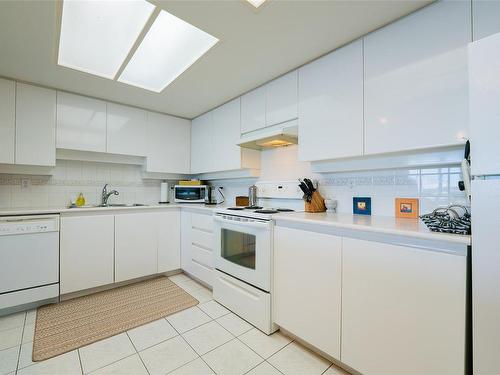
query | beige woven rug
(71,324)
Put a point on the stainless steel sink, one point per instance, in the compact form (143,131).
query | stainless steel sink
(114,205)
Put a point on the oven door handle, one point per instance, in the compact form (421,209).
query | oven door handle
(252,224)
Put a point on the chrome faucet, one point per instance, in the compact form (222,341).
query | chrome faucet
(106,195)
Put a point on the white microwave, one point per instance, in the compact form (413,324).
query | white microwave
(189,194)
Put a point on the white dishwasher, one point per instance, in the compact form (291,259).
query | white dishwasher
(29,261)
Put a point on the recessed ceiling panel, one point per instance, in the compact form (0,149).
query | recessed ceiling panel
(168,49)
(96,36)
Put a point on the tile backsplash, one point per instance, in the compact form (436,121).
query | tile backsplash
(434,187)
(72,177)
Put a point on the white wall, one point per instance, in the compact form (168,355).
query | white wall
(433,186)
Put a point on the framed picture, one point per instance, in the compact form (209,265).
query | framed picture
(362,205)
(406,207)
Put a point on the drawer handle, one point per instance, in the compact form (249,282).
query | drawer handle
(203,230)
(233,285)
(202,265)
(202,247)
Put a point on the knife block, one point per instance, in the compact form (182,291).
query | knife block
(317,203)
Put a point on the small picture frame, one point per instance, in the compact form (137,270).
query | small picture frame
(406,208)
(362,205)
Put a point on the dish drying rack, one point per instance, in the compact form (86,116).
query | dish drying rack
(448,220)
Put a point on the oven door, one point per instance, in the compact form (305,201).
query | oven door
(243,249)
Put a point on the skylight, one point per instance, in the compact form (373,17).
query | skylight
(256,3)
(97,36)
(169,48)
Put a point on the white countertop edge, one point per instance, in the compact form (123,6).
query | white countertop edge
(423,234)
(65,210)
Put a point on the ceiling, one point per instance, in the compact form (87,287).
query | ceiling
(255,46)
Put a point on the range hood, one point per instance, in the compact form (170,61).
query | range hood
(279,135)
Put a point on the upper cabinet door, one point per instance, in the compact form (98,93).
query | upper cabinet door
(331,105)
(201,144)
(81,123)
(225,135)
(486,14)
(126,132)
(7,120)
(168,144)
(253,110)
(281,99)
(416,81)
(35,125)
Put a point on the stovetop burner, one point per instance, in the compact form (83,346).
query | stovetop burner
(266,211)
(284,210)
(253,207)
(236,208)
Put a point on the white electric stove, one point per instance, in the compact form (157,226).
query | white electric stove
(244,251)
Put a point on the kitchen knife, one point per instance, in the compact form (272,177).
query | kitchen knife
(309,185)
(305,190)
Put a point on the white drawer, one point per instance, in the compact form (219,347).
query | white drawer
(203,222)
(202,272)
(244,300)
(202,255)
(202,238)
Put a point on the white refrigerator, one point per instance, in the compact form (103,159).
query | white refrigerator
(484,80)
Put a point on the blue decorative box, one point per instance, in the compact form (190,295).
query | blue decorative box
(362,205)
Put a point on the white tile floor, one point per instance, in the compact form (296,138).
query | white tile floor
(205,339)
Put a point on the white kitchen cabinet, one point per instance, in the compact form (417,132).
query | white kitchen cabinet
(486,14)
(331,105)
(484,95)
(253,110)
(201,144)
(416,83)
(403,309)
(86,252)
(136,245)
(226,153)
(126,130)
(35,125)
(7,120)
(81,123)
(197,243)
(168,144)
(308,306)
(281,99)
(169,240)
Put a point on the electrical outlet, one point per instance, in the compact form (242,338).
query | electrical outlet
(25,183)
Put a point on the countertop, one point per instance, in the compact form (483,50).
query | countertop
(414,228)
(62,210)
(381,224)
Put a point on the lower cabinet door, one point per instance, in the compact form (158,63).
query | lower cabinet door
(307,286)
(169,240)
(136,245)
(87,245)
(403,309)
